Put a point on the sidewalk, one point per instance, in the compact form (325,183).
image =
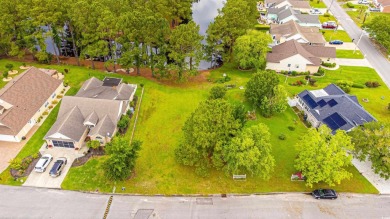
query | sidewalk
(379,183)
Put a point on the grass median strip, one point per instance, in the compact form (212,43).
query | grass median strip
(349,54)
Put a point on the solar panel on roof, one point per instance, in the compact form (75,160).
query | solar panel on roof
(309,101)
(331,124)
(321,103)
(338,119)
(332,103)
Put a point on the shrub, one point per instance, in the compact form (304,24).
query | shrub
(312,81)
(35,156)
(372,84)
(282,136)
(326,14)
(24,64)
(54,102)
(66,71)
(15,163)
(94,144)
(217,92)
(307,77)
(45,113)
(350,5)
(328,64)
(59,96)
(388,107)
(345,85)
(291,128)
(5,74)
(51,107)
(142,85)
(9,66)
(123,123)
(358,86)
(294,73)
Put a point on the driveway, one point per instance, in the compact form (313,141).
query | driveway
(353,62)
(44,179)
(364,168)
(344,46)
(9,150)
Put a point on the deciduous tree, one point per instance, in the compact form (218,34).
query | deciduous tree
(323,157)
(379,29)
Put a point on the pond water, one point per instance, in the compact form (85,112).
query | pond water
(203,13)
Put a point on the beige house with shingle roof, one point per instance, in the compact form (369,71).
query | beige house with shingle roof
(93,113)
(23,100)
(292,31)
(293,56)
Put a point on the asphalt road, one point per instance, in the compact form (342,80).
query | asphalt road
(26,202)
(376,59)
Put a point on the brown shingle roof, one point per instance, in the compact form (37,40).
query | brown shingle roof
(292,47)
(300,4)
(291,28)
(26,93)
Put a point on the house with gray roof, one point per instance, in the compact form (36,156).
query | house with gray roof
(333,107)
(92,114)
(287,13)
(294,56)
(301,5)
(23,100)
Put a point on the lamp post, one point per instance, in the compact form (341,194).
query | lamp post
(361,35)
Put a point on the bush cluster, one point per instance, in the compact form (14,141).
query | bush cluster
(372,84)
(360,86)
(282,136)
(328,64)
(294,73)
(291,128)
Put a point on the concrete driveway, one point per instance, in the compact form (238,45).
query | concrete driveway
(353,62)
(9,150)
(44,179)
(345,46)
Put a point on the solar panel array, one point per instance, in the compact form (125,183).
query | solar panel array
(321,103)
(332,103)
(309,101)
(334,121)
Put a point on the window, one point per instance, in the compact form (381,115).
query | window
(54,95)
(47,103)
(296,66)
(288,65)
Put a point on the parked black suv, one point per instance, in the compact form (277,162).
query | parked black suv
(58,166)
(324,194)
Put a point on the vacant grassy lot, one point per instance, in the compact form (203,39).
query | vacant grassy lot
(349,54)
(330,35)
(317,4)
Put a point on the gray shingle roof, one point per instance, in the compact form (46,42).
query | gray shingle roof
(345,107)
(94,88)
(307,19)
(106,127)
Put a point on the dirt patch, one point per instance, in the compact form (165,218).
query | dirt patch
(91,153)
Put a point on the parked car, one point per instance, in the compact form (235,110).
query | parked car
(43,163)
(375,9)
(329,25)
(324,194)
(315,11)
(58,166)
(365,2)
(336,42)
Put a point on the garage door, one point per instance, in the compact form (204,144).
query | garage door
(63,144)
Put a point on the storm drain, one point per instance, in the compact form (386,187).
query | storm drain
(143,213)
(204,201)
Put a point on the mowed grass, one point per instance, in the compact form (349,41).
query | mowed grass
(163,112)
(359,18)
(330,35)
(317,4)
(349,54)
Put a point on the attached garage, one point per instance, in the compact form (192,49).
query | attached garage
(63,144)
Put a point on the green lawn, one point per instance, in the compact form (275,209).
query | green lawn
(317,4)
(164,110)
(323,19)
(349,54)
(360,18)
(330,35)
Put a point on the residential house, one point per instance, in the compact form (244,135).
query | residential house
(292,31)
(383,5)
(300,5)
(92,114)
(333,107)
(23,100)
(293,56)
(286,14)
